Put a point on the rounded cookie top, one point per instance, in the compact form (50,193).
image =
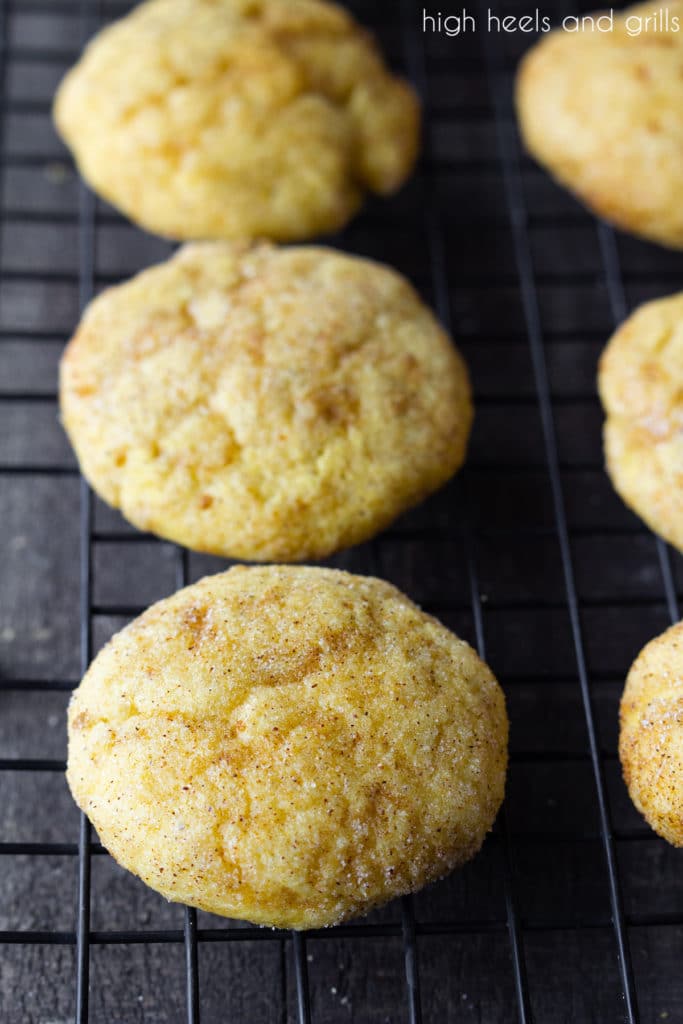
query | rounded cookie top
(263,403)
(288,745)
(603,111)
(651,735)
(641,386)
(237,118)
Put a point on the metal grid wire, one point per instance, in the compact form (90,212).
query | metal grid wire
(467,230)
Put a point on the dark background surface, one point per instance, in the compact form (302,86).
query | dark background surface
(522,274)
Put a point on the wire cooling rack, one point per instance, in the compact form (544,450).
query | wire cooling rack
(573,911)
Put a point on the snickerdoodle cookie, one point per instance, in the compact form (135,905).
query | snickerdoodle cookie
(292,746)
(641,385)
(651,737)
(237,118)
(264,403)
(603,111)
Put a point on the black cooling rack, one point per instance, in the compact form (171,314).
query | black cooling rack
(573,911)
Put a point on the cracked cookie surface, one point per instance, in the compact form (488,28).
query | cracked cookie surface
(288,745)
(264,403)
(603,112)
(651,734)
(641,386)
(237,118)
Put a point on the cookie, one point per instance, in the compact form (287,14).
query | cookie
(262,403)
(641,386)
(603,112)
(290,746)
(208,119)
(651,735)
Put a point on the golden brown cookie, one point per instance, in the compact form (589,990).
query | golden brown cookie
(651,736)
(641,386)
(603,112)
(263,403)
(292,746)
(237,118)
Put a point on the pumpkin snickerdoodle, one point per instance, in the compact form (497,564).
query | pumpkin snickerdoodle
(603,111)
(264,403)
(641,386)
(238,118)
(291,746)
